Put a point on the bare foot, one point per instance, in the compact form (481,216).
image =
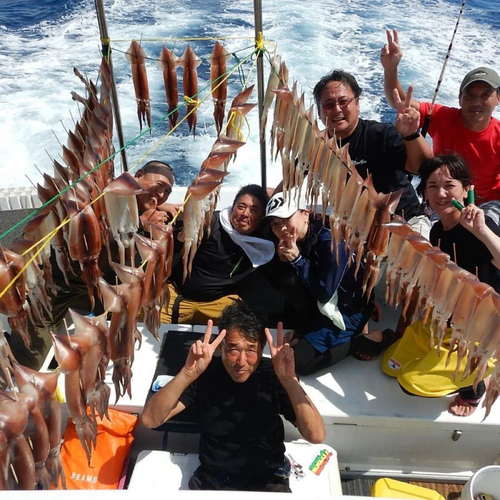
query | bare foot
(461,408)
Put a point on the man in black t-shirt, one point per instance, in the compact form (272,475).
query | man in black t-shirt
(386,151)
(240,398)
(227,255)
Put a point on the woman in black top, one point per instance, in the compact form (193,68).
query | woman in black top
(473,241)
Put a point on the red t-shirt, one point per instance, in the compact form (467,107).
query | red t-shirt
(481,150)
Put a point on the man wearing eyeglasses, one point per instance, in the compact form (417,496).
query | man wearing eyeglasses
(386,151)
(470,130)
(239,396)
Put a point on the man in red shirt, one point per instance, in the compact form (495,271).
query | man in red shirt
(470,131)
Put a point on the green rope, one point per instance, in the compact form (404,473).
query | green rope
(129,143)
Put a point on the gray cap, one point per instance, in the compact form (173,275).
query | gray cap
(481,75)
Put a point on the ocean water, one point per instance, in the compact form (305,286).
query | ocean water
(41,42)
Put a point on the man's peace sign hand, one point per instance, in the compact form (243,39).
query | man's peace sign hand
(391,54)
(407,118)
(281,354)
(201,352)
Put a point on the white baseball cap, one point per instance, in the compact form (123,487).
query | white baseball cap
(283,208)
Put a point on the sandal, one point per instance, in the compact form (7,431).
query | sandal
(364,348)
(471,403)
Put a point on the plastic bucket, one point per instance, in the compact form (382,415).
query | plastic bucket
(485,480)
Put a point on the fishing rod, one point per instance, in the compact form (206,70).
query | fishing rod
(427,121)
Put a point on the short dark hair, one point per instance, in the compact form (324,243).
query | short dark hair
(158,167)
(238,316)
(336,75)
(254,190)
(456,165)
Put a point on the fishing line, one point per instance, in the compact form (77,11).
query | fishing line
(205,59)
(189,39)
(427,121)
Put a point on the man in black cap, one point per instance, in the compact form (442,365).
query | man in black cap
(470,130)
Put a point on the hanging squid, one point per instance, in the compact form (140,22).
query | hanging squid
(190,61)
(45,385)
(122,212)
(84,242)
(13,304)
(168,64)
(69,359)
(137,57)
(218,78)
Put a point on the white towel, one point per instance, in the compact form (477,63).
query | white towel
(331,310)
(258,250)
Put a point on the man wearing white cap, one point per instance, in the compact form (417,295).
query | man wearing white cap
(470,130)
(325,294)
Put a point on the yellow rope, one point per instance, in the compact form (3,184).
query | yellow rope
(35,255)
(259,42)
(181,208)
(190,100)
(245,85)
(231,121)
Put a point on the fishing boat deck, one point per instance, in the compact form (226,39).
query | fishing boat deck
(375,428)
(373,425)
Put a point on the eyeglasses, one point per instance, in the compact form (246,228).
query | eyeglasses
(341,103)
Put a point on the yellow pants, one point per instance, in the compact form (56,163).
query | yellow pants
(184,310)
(420,369)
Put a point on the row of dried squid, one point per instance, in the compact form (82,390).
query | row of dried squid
(363,219)
(100,212)
(30,426)
(168,62)
(445,294)
(79,240)
(314,162)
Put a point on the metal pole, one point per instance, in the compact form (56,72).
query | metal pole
(103,29)
(257,6)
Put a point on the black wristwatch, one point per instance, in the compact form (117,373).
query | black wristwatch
(412,137)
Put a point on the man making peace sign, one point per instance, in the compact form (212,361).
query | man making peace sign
(240,397)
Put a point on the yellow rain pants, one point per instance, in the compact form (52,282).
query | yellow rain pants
(420,369)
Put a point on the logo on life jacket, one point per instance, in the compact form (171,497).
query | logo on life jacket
(394,365)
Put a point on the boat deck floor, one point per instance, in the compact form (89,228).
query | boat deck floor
(363,486)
